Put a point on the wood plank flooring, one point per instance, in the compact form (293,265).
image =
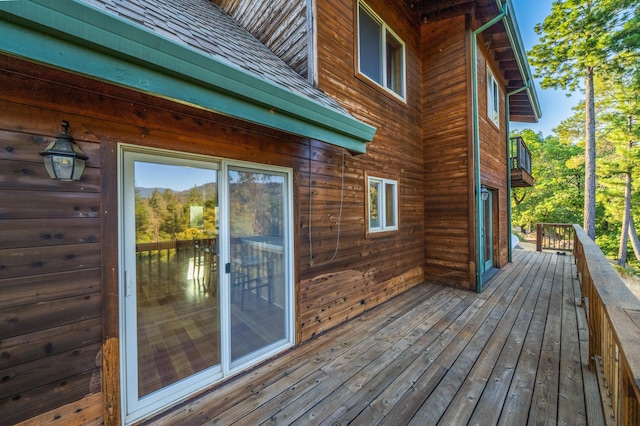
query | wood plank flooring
(512,355)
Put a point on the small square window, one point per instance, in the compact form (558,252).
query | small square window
(383,205)
(381,54)
(493,99)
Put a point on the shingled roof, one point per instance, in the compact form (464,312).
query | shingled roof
(203,26)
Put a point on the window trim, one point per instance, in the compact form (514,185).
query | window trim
(385,30)
(382,204)
(493,98)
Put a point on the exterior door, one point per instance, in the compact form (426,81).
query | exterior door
(206,287)
(487,231)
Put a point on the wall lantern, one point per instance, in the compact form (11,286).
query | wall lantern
(63,158)
(484,193)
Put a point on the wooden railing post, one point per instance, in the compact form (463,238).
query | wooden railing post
(539,237)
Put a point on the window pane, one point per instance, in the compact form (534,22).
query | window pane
(394,64)
(374,204)
(178,330)
(495,100)
(258,285)
(370,48)
(390,208)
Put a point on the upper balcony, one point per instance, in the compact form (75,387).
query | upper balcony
(545,343)
(520,163)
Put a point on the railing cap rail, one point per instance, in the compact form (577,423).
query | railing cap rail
(612,290)
(621,306)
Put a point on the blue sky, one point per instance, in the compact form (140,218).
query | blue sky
(555,105)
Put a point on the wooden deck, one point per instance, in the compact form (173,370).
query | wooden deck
(514,355)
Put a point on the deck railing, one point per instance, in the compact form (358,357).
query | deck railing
(613,314)
(520,155)
(554,236)
(165,260)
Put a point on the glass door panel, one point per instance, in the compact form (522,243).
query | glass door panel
(258,299)
(176,280)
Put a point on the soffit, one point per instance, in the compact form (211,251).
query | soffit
(501,40)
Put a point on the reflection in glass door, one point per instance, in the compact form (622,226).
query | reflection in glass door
(257,215)
(176,281)
(172,303)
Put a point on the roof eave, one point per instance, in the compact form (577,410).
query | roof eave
(82,39)
(513,32)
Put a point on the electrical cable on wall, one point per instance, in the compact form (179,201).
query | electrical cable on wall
(335,253)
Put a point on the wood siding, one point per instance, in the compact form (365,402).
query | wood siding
(493,158)
(59,337)
(369,269)
(450,224)
(59,258)
(281,25)
(50,333)
(448,203)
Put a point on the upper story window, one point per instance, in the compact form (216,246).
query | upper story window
(381,54)
(493,99)
(383,204)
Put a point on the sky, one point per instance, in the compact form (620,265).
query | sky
(555,105)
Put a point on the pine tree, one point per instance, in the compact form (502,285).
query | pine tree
(579,39)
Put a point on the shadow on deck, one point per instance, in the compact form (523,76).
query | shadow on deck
(514,355)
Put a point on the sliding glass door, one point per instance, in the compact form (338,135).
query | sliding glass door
(205,282)
(257,202)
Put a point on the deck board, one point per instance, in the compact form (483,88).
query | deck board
(433,355)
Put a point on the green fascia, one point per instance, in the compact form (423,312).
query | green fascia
(82,39)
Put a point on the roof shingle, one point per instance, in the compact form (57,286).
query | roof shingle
(203,26)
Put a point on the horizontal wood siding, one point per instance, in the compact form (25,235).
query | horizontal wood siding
(447,153)
(50,260)
(493,157)
(281,25)
(60,239)
(368,269)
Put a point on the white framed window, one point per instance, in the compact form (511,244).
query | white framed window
(493,99)
(383,204)
(381,53)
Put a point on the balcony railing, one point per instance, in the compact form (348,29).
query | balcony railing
(554,236)
(613,315)
(520,162)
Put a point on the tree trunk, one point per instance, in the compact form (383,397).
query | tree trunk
(635,242)
(590,160)
(624,236)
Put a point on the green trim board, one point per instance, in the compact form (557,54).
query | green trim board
(82,39)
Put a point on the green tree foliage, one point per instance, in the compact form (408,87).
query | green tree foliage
(579,40)
(619,111)
(256,204)
(168,215)
(558,169)
(618,193)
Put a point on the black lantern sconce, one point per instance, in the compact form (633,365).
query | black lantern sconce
(484,193)
(63,158)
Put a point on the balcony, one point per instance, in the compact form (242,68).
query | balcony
(538,346)
(520,162)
